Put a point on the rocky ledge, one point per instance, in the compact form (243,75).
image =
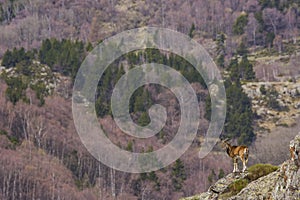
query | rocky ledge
(262,181)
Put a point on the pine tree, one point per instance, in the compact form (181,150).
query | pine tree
(192,30)
(207,114)
(246,69)
(7,60)
(240,23)
(144,119)
(242,49)
(120,73)
(234,70)
(239,115)
(17,56)
(16,89)
(270,36)
(221,49)
(179,174)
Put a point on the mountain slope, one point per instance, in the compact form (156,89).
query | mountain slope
(26,23)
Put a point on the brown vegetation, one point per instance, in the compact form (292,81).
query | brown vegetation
(30,22)
(42,157)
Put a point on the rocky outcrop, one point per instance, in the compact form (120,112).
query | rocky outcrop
(283,183)
(219,187)
(275,103)
(258,189)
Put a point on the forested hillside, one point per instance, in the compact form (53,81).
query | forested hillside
(26,23)
(43,43)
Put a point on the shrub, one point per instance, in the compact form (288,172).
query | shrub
(14,140)
(272,102)
(3,132)
(263,90)
(221,174)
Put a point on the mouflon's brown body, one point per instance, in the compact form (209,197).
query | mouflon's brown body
(236,152)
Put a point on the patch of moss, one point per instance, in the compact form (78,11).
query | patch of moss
(260,170)
(237,186)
